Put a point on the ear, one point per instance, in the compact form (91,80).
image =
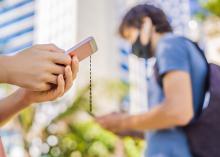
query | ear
(154,29)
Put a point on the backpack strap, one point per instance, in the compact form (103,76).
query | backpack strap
(156,72)
(204,57)
(202,53)
(199,49)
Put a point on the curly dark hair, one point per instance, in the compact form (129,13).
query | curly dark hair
(134,18)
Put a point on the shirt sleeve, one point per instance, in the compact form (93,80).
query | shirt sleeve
(172,54)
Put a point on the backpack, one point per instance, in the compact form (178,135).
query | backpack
(204,132)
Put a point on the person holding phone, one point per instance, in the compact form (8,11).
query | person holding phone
(176,89)
(43,73)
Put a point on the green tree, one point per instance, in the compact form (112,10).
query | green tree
(212,6)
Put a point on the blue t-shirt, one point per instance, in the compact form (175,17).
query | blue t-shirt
(174,53)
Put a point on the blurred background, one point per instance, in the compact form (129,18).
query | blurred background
(65,128)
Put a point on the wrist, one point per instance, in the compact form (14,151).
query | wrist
(23,98)
(124,122)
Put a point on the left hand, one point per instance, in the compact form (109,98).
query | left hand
(114,122)
(63,84)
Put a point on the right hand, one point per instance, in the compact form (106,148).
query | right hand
(64,84)
(36,68)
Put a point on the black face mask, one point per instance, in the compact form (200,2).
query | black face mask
(142,51)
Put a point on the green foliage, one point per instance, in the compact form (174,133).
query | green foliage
(98,149)
(26,118)
(83,138)
(133,148)
(81,102)
(200,16)
(86,138)
(213,6)
(113,89)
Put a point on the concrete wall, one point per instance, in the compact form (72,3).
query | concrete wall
(98,18)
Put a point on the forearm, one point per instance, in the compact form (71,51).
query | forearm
(175,110)
(11,105)
(3,68)
(158,118)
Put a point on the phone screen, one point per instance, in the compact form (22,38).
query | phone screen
(83,49)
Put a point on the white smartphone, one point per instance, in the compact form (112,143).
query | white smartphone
(83,49)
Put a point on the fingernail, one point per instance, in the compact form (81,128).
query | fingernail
(60,76)
(68,68)
(75,59)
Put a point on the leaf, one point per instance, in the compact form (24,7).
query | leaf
(26,117)
(81,102)
(213,6)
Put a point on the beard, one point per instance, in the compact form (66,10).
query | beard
(142,51)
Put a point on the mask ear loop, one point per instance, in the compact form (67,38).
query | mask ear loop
(151,51)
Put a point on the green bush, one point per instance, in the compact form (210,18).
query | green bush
(88,139)
(212,6)
(81,138)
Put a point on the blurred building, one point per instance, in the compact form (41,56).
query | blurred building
(16,33)
(27,22)
(16,25)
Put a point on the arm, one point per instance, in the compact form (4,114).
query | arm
(22,98)
(175,110)
(11,105)
(3,68)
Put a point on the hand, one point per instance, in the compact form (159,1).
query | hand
(35,67)
(114,122)
(63,85)
(22,98)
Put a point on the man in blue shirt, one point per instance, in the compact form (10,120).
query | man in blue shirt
(176,89)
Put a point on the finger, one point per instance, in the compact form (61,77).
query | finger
(52,79)
(60,86)
(68,78)
(60,58)
(50,47)
(43,87)
(75,66)
(56,69)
